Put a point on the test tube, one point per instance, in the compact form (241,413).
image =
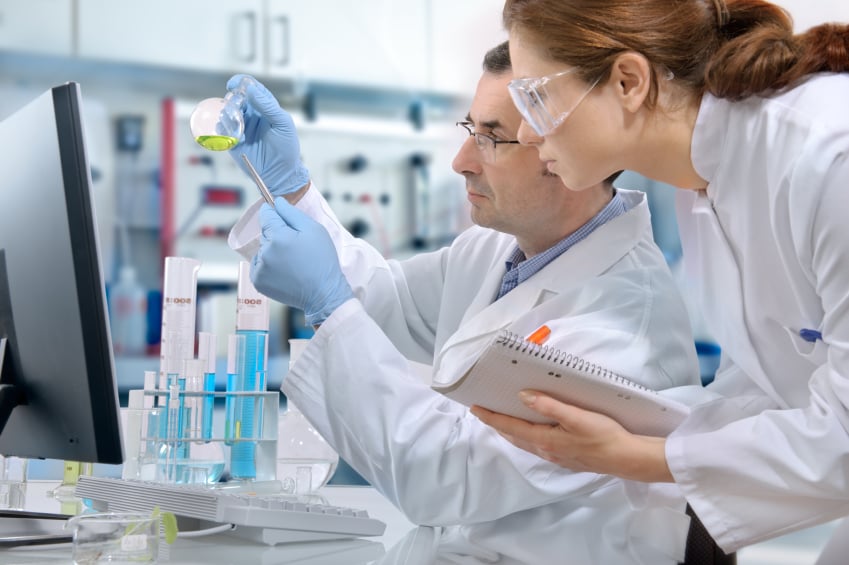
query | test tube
(206,355)
(172,443)
(232,385)
(151,431)
(192,414)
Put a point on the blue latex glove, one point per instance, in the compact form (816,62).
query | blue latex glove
(270,140)
(297,263)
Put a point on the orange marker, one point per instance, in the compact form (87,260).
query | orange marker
(540,335)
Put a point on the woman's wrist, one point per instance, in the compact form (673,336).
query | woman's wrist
(646,460)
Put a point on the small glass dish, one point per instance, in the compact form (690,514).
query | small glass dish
(115,537)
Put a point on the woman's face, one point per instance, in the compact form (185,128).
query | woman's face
(583,145)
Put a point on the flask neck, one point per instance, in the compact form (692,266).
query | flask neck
(237,95)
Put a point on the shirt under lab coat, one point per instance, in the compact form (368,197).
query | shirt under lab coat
(768,246)
(610,298)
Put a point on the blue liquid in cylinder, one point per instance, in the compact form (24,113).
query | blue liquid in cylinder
(248,412)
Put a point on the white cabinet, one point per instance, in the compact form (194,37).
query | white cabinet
(371,43)
(204,35)
(367,43)
(37,26)
(461,34)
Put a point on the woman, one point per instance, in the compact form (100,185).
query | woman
(721,99)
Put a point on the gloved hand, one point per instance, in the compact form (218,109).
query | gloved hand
(270,140)
(297,263)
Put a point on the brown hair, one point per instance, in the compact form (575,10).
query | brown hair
(732,49)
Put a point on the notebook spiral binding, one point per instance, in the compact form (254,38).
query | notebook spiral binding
(520,344)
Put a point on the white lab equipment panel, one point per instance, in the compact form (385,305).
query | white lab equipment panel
(37,26)
(204,193)
(211,35)
(387,182)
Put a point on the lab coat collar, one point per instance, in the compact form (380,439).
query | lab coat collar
(576,267)
(709,136)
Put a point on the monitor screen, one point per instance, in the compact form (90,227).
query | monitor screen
(58,394)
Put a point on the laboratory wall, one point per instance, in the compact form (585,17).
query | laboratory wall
(374,87)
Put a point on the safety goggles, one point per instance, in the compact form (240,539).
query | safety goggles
(542,106)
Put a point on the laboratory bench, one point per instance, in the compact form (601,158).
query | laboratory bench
(349,489)
(800,548)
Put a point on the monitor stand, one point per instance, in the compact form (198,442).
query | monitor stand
(19,527)
(10,395)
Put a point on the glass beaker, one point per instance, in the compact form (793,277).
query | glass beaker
(217,124)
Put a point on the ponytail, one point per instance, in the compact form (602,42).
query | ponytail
(760,55)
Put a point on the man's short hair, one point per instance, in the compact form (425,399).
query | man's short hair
(497,59)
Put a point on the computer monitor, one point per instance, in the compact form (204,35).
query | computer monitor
(58,393)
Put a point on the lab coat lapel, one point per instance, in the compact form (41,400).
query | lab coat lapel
(573,269)
(709,260)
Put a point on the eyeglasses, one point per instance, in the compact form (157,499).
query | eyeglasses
(540,105)
(486,144)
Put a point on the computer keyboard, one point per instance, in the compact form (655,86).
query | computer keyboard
(259,516)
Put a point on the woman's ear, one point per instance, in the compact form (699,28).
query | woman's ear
(630,76)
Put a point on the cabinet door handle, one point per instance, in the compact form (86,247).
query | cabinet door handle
(245,37)
(285,42)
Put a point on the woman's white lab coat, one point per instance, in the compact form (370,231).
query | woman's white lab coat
(609,298)
(768,243)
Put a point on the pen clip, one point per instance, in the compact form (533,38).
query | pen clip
(261,185)
(810,335)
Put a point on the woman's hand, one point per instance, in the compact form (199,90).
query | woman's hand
(582,440)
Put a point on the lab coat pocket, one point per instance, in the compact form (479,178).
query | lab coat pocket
(816,352)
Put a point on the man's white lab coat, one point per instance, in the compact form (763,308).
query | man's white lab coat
(610,299)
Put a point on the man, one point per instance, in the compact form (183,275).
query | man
(583,263)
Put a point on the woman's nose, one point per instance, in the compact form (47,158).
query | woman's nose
(527,135)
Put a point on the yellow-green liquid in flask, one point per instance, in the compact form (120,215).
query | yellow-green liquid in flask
(216,142)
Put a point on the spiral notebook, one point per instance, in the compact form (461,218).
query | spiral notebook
(511,363)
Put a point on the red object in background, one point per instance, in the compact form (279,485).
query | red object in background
(221,196)
(168,177)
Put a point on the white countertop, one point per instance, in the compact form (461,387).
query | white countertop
(800,548)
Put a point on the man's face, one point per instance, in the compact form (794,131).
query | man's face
(512,192)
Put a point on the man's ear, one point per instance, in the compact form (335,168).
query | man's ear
(630,75)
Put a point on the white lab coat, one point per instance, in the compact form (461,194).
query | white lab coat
(768,244)
(609,298)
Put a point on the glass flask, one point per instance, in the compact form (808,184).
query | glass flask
(217,124)
(305,461)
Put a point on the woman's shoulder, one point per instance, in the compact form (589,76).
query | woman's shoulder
(824,94)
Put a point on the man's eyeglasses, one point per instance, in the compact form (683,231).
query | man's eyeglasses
(486,144)
(540,105)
